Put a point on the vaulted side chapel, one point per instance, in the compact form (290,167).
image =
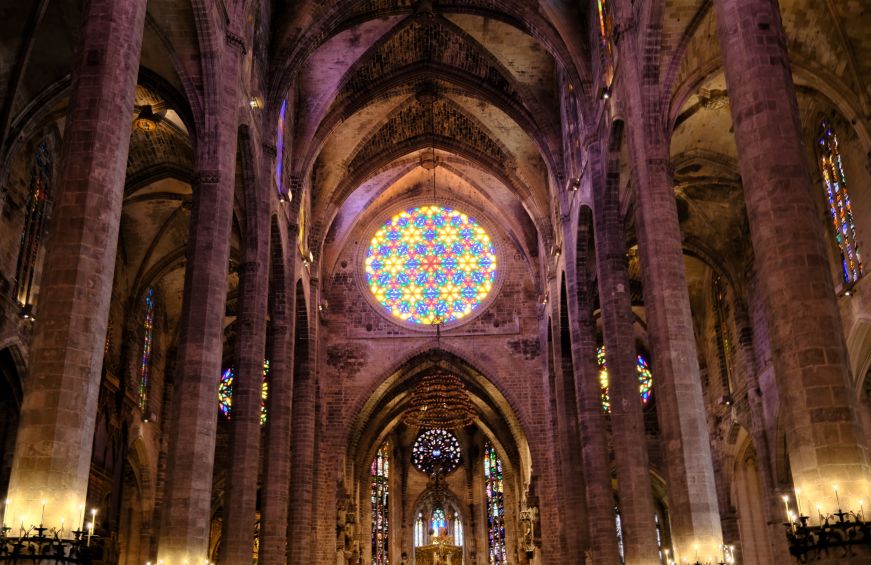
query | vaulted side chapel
(435,282)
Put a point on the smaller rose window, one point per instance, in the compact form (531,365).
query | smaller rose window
(434,447)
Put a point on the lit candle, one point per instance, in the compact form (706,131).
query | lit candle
(838,500)
(61,531)
(42,516)
(90,531)
(786,505)
(861,510)
(798,501)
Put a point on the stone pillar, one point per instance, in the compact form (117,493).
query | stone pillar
(627,421)
(276,479)
(53,450)
(575,530)
(745,375)
(825,441)
(592,432)
(694,512)
(302,479)
(240,497)
(188,491)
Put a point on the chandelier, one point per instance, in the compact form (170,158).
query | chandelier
(440,402)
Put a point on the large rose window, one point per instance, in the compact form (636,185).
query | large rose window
(431,265)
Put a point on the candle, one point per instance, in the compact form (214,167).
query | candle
(90,531)
(861,510)
(838,500)
(786,505)
(42,516)
(61,531)
(798,501)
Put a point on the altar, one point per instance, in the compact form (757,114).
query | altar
(438,554)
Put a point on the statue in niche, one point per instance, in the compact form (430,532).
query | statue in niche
(528,518)
(347,548)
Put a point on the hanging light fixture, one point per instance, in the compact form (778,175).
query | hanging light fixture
(439,401)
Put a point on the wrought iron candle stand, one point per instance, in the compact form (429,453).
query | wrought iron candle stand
(842,531)
(40,545)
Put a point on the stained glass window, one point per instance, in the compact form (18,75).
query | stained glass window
(495,505)
(840,206)
(645,378)
(34,224)
(458,529)
(436,447)
(225,391)
(721,329)
(439,522)
(380,475)
(618,525)
(147,339)
(279,144)
(658,535)
(606,35)
(419,538)
(431,264)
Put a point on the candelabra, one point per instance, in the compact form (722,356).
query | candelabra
(47,545)
(843,532)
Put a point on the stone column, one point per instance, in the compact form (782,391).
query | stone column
(825,441)
(302,479)
(592,432)
(694,512)
(240,497)
(574,522)
(745,375)
(53,450)
(276,479)
(187,497)
(627,421)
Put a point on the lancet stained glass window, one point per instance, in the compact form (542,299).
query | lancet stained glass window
(431,264)
(606,34)
(279,152)
(433,447)
(147,344)
(380,475)
(721,329)
(34,224)
(840,206)
(225,391)
(495,505)
(645,378)
(458,529)
(439,521)
(419,531)
(618,526)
